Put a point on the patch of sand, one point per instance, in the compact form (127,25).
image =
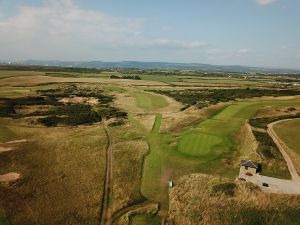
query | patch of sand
(16,141)
(76,99)
(8,177)
(5,149)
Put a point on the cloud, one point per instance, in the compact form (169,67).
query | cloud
(298,56)
(162,42)
(61,29)
(215,51)
(244,51)
(265,2)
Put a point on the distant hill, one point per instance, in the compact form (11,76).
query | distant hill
(155,65)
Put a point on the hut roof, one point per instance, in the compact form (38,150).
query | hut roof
(249,163)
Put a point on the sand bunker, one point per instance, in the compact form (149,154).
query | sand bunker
(8,177)
(76,99)
(5,149)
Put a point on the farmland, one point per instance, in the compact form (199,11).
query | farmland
(163,127)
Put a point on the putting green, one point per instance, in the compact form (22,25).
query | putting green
(149,101)
(198,144)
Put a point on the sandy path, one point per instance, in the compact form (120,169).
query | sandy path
(282,147)
(6,178)
(106,211)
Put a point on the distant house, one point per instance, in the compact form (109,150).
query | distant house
(249,168)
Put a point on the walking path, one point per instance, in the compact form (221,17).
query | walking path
(106,211)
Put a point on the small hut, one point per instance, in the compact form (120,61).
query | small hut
(249,168)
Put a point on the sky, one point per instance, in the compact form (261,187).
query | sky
(222,32)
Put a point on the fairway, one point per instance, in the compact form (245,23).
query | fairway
(215,136)
(149,101)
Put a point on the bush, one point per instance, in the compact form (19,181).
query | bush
(116,123)
(50,121)
(225,188)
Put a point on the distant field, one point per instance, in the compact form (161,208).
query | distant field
(13,73)
(149,101)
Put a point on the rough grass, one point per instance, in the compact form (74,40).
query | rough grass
(200,199)
(127,172)
(149,101)
(62,175)
(288,131)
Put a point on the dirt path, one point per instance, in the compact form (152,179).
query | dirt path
(282,147)
(106,211)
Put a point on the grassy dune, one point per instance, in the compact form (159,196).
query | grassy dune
(203,200)
(61,171)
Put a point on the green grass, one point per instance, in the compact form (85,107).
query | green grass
(204,149)
(199,144)
(289,132)
(163,78)
(114,89)
(215,136)
(16,73)
(6,134)
(149,101)
(146,220)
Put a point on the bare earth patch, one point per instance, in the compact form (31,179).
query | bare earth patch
(8,177)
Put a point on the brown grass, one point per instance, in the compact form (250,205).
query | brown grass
(276,111)
(193,202)
(62,175)
(127,173)
(175,122)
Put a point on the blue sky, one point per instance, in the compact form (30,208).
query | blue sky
(231,32)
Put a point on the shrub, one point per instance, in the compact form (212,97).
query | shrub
(225,188)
